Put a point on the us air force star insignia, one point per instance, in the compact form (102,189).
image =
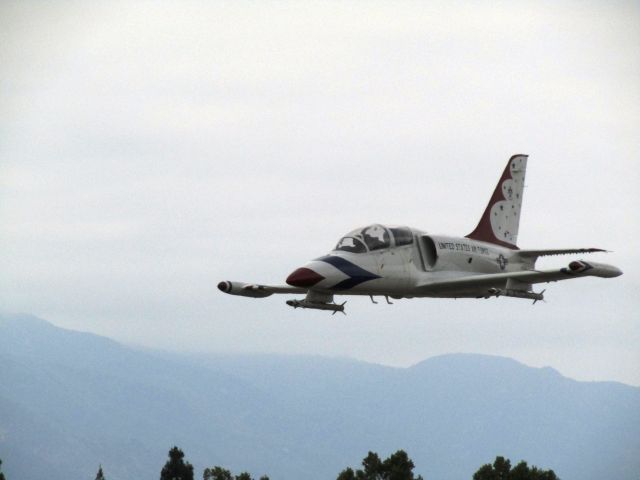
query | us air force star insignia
(502,262)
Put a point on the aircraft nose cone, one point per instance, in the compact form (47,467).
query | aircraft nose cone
(304,277)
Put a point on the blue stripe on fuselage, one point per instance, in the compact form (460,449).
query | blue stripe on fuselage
(357,275)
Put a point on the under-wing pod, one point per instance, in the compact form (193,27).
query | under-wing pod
(509,292)
(243,289)
(332,307)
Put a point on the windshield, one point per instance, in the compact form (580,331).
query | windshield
(374,237)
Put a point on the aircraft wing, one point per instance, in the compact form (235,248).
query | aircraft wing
(256,290)
(498,280)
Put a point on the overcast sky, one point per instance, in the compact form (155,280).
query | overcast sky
(149,150)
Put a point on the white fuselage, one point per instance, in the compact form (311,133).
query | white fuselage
(398,271)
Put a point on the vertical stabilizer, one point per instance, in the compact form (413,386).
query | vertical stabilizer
(500,220)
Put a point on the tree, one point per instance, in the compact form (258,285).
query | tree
(347,474)
(501,470)
(372,467)
(100,475)
(217,473)
(1,474)
(176,468)
(520,472)
(397,467)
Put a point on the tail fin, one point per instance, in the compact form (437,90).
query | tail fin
(500,220)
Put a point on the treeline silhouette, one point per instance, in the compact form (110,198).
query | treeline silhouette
(398,466)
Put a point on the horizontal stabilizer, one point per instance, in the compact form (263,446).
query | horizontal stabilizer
(558,251)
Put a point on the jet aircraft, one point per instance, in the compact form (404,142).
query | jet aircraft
(402,262)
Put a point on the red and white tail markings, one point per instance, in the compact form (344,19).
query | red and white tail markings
(500,220)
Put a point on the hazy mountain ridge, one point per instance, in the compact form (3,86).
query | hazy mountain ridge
(70,400)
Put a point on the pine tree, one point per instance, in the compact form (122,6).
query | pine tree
(100,475)
(176,468)
(1,474)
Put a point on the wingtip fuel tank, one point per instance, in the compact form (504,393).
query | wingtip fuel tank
(243,289)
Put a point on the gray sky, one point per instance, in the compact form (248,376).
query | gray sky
(149,150)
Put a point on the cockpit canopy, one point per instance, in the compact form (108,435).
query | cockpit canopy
(374,237)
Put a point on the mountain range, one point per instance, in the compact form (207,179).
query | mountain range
(70,401)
